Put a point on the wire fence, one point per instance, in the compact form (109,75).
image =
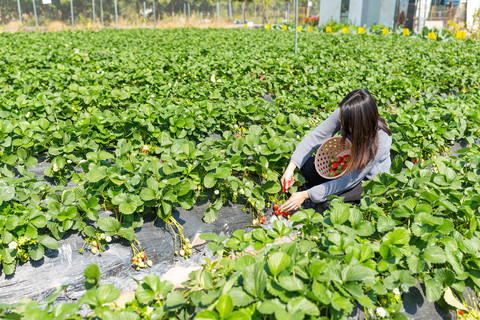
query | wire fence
(86,14)
(61,14)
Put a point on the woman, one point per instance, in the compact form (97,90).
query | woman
(358,120)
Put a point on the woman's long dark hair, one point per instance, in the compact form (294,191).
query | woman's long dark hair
(360,120)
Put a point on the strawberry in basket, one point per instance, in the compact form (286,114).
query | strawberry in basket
(338,165)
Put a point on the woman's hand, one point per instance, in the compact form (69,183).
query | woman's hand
(294,202)
(287,178)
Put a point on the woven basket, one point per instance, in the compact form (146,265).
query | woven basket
(331,148)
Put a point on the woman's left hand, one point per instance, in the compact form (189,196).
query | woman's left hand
(294,202)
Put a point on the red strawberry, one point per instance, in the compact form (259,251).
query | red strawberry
(339,159)
(277,212)
(275,207)
(238,136)
(143,256)
(262,219)
(335,166)
(415,161)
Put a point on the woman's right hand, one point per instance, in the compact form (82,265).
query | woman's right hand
(287,179)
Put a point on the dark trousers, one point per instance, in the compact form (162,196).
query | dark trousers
(353,195)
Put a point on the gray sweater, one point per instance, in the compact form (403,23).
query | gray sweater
(318,136)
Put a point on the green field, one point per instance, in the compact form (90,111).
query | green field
(139,122)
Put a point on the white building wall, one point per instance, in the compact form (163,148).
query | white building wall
(329,10)
(387,13)
(472,7)
(355,12)
(372,14)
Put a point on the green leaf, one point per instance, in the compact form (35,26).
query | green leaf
(107,293)
(356,273)
(175,300)
(340,213)
(434,290)
(340,303)
(385,224)
(11,223)
(147,194)
(224,306)
(399,236)
(240,298)
(96,174)
(48,242)
(206,315)
(36,252)
(272,187)
(92,275)
(108,224)
(223,172)
(277,262)
(291,283)
(269,306)
(304,305)
(209,180)
(6,193)
(434,255)
(452,300)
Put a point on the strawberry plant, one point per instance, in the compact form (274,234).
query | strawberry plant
(136,133)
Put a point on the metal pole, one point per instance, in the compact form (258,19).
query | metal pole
(71,14)
(218,12)
(296,26)
(188,5)
(116,14)
(243,11)
(35,13)
(319,14)
(255,12)
(101,12)
(153,11)
(185,10)
(426,15)
(19,12)
(144,11)
(230,11)
(93,10)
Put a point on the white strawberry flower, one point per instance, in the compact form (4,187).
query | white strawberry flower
(241,191)
(404,287)
(235,193)
(12,245)
(108,238)
(149,263)
(381,312)
(149,310)
(69,161)
(102,236)
(28,115)
(55,167)
(396,291)
(216,192)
